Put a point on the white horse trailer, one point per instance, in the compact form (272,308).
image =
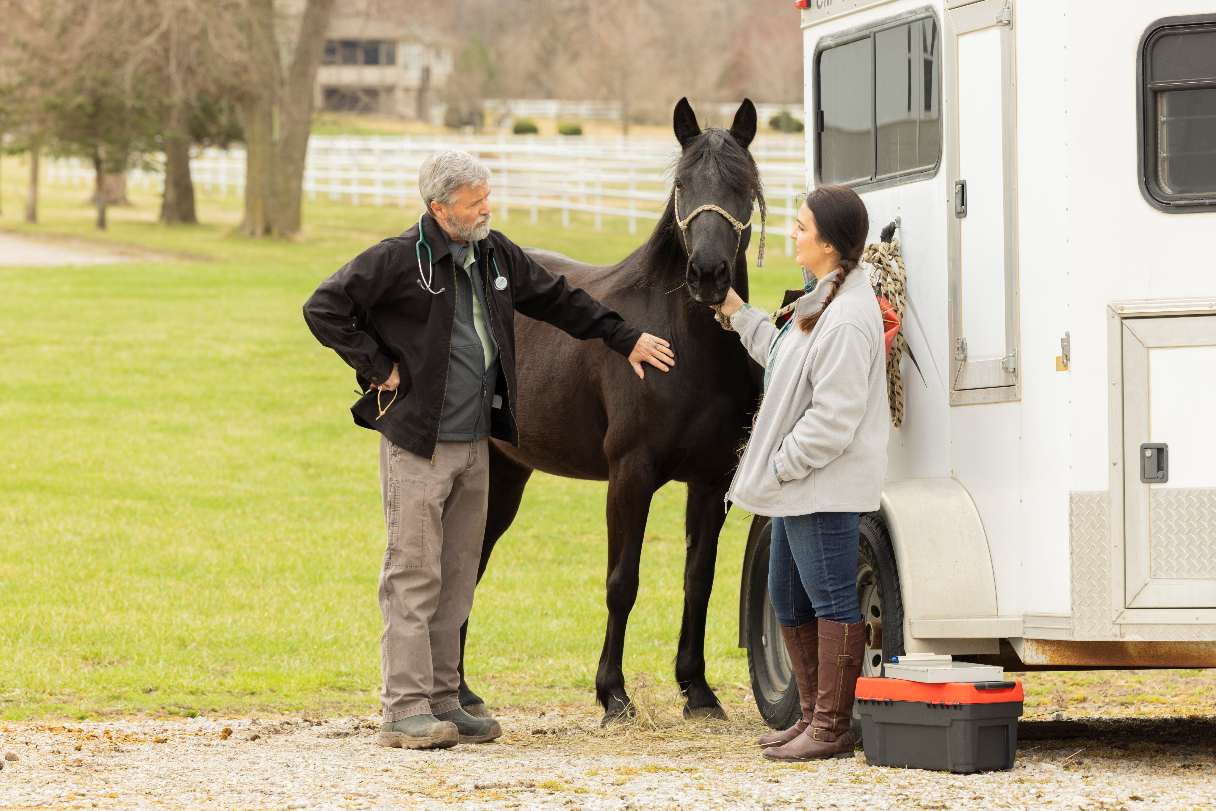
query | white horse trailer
(1051,494)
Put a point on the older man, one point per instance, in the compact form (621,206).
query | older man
(426,321)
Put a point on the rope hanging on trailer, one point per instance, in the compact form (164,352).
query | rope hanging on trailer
(889,279)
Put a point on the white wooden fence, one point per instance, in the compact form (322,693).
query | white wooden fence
(611,110)
(602,177)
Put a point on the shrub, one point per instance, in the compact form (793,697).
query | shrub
(525,126)
(784,121)
(570,128)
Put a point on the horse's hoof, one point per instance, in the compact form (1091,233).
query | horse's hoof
(698,713)
(619,713)
(478,710)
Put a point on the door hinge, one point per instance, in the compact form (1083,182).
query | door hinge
(960,350)
(1005,15)
(1010,362)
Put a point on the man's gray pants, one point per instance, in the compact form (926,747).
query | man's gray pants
(435,513)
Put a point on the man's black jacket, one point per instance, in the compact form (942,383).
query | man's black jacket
(375,312)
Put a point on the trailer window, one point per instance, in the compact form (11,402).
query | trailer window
(906,98)
(846,139)
(1178,113)
(879,103)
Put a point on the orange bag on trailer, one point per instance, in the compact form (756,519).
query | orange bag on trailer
(890,323)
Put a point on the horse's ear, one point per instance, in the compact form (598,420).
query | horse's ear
(744,125)
(685,122)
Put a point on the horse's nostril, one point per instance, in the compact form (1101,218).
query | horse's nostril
(708,270)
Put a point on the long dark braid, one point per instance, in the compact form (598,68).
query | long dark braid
(842,222)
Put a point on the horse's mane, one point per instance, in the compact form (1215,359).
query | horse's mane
(734,164)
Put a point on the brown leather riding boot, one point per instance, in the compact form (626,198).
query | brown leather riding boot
(802,644)
(841,648)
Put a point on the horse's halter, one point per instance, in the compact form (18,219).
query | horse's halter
(683,222)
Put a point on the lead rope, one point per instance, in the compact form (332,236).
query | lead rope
(889,279)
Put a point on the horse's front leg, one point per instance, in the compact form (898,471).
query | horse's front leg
(631,485)
(703,521)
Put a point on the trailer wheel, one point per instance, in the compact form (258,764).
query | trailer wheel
(882,606)
(772,680)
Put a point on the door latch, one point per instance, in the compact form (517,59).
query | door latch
(1154,463)
(960,199)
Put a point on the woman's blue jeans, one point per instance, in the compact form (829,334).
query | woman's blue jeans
(812,568)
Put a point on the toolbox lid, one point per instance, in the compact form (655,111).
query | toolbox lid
(990,692)
(942,672)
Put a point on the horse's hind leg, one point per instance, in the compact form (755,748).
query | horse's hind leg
(507,482)
(631,485)
(703,521)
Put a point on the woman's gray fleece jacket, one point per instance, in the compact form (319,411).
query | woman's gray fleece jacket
(820,439)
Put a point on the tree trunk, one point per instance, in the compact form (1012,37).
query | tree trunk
(108,186)
(422,103)
(99,190)
(277,122)
(114,186)
(31,200)
(258,166)
(177,204)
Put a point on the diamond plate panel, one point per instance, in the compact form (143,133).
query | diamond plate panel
(1183,533)
(1089,531)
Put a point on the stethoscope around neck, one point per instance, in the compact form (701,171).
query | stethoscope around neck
(425,278)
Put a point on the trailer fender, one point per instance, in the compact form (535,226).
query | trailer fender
(943,559)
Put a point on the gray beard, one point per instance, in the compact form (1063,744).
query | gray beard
(474,233)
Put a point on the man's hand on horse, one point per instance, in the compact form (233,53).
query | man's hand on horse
(653,350)
(394,380)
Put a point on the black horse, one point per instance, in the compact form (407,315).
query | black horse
(583,414)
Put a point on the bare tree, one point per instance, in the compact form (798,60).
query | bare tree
(623,51)
(642,54)
(59,66)
(286,40)
(763,59)
(24,89)
(192,58)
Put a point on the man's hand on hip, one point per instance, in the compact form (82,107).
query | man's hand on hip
(653,350)
(394,380)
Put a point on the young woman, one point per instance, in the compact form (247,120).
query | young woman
(816,460)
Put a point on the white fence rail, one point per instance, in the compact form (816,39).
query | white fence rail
(611,110)
(603,177)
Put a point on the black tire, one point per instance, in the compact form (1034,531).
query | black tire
(882,605)
(772,681)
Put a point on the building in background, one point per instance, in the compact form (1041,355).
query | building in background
(381,67)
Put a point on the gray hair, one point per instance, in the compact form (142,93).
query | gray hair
(442,173)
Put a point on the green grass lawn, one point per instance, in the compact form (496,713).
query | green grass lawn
(190,523)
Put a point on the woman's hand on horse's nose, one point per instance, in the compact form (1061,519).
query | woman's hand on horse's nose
(653,350)
(731,304)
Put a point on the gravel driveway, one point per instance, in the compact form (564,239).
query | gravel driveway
(562,759)
(20,251)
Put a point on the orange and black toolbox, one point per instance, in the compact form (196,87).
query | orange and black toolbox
(956,726)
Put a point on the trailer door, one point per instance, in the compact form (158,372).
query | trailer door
(1169,455)
(982,217)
